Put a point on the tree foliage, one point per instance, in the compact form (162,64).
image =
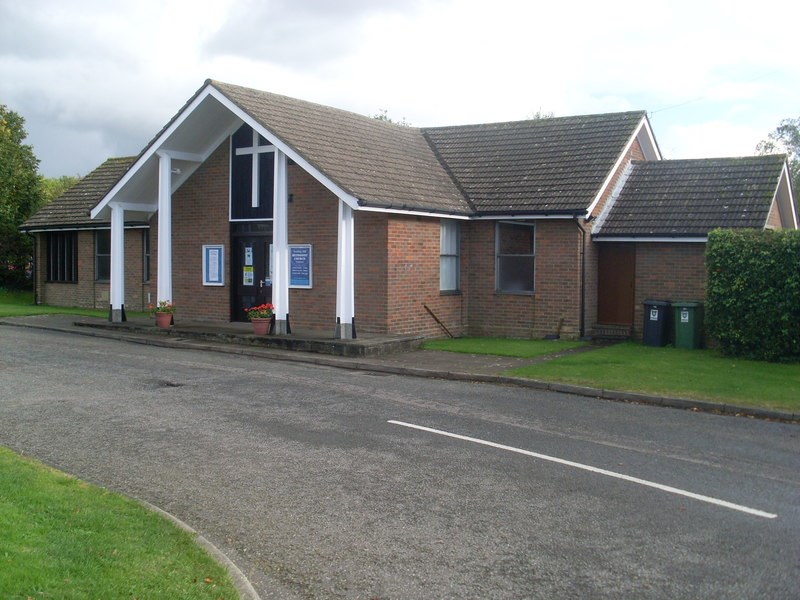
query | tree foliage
(20,197)
(753,293)
(383,115)
(53,187)
(785,140)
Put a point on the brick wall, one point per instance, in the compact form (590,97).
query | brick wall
(87,292)
(371,260)
(668,271)
(314,219)
(413,279)
(556,297)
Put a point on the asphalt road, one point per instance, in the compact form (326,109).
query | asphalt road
(297,473)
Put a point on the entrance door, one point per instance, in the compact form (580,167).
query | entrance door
(250,273)
(616,283)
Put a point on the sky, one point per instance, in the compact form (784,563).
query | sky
(99,78)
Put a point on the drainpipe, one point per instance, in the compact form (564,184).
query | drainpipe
(583,277)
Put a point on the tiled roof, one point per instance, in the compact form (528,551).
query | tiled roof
(689,198)
(379,163)
(542,165)
(71,209)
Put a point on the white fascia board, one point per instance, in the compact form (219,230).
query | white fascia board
(154,147)
(612,199)
(683,240)
(87,228)
(285,148)
(643,127)
(418,213)
(651,138)
(514,217)
(785,179)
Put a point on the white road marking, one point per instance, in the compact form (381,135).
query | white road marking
(569,463)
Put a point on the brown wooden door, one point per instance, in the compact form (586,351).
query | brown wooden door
(616,283)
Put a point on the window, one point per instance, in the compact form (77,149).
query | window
(102,255)
(449,256)
(252,157)
(515,257)
(62,256)
(145,255)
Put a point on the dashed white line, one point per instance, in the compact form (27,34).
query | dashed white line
(591,469)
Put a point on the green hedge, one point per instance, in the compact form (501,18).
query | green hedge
(753,293)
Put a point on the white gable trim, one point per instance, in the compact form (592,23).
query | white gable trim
(349,199)
(786,181)
(642,129)
(612,199)
(157,147)
(154,147)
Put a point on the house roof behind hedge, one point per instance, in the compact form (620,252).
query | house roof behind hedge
(689,198)
(71,209)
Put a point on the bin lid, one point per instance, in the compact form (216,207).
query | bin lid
(657,302)
(678,304)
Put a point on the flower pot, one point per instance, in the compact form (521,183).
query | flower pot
(260,326)
(163,320)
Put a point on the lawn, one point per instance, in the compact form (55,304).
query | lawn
(696,374)
(501,346)
(20,304)
(62,538)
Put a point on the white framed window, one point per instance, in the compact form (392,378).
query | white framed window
(449,256)
(515,257)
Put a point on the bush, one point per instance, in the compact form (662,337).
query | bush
(753,293)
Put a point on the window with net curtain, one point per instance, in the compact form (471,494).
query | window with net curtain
(449,256)
(515,257)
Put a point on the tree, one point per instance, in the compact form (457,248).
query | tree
(383,115)
(785,140)
(20,197)
(540,114)
(53,187)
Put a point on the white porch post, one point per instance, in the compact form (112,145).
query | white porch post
(164,288)
(345,280)
(280,246)
(117,283)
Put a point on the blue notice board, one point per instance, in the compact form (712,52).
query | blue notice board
(300,265)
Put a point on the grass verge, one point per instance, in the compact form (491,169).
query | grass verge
(20,304)
(695,374)
(66,539)
(501,346)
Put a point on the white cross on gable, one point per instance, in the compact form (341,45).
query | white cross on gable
(255,150)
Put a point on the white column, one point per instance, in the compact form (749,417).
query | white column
(117,284)
(164,289)
(280,245)
(345,279)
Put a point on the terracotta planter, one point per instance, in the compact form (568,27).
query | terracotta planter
(260,326)
(163,320)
